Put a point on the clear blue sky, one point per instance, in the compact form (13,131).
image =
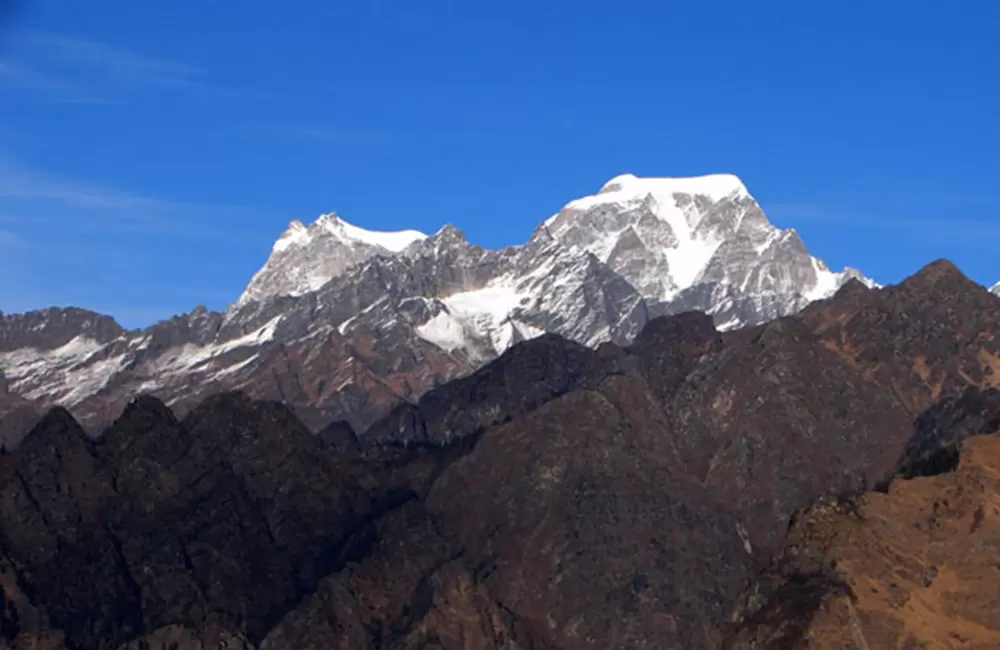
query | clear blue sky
(151,151)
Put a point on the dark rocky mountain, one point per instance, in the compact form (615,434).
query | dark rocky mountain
(677,492)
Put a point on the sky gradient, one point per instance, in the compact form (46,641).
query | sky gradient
(151,152)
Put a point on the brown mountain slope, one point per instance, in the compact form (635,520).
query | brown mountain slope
(915,567)
(918,567)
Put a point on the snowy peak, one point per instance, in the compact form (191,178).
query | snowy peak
(304,258)
(995,289)
(674,224)
(701,242)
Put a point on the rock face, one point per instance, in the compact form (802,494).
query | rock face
(346,323)
(560,497)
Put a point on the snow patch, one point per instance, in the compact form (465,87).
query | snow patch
(488,310)
(444,331)
(394,241)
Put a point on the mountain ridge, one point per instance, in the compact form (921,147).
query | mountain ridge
(384,327)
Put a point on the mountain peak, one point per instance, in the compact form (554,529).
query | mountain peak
(304,258)
(450,233)
(934,273)
(331,224)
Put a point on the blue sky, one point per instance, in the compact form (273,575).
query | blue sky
(150,152)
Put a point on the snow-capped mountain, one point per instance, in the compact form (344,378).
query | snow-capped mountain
(345,322)
(305,258)
(996,288)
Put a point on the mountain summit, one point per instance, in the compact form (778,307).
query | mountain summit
(305,258)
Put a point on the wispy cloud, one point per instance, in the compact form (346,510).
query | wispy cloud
(23,184)
(28,195)
(63,68)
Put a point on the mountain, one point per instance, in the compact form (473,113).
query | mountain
(996,288)
(344,323)
(695,489)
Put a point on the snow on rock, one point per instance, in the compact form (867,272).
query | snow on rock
(69,373)
(996,288)
(190,357)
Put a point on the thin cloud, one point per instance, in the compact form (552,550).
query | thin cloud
(22,184)
(63,68)
(28,196)
(113,61)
